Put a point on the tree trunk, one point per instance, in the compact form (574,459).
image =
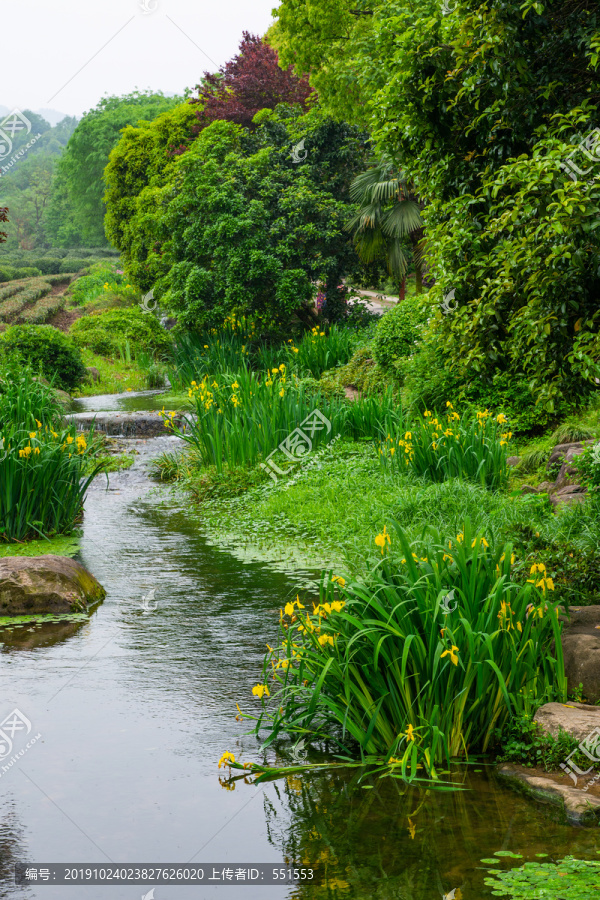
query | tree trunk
(418,278)
(401,290)
(417,241)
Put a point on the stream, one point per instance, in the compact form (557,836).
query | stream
(136,705)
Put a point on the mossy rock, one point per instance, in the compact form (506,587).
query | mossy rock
(46,584)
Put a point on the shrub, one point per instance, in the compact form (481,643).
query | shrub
(396,334)
(106,331)
(47,350)
(429,379)
(8,273)
(588,465)
(49,265)
(9,290)
(360,372)
(43,309)
(100,278)
(71,264)
(10,308)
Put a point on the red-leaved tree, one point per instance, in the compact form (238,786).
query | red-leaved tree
(250,81)
(3,218)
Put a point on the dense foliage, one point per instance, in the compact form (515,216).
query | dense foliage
(27,175)
(76,206)
(106,331)
(240,226)
(396,335)
(481,106)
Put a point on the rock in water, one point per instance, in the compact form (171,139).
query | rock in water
(46,584)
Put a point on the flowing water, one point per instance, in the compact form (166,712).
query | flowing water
(136,704)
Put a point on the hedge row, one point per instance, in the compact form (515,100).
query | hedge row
(43,310)
(29,291)
(9,273)
(10,290)
(10,308)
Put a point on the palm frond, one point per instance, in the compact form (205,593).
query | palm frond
(397,260)
(402,218)
(370,245)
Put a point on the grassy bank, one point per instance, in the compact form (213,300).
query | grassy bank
(332,510)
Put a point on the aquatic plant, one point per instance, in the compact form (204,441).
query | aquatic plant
(423,659)
(437,450)
(577,879)
(45,468)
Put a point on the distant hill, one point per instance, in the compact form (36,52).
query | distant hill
(52,116)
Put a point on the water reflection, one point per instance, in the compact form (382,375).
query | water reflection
(382,839)
(39,634)
(134,401)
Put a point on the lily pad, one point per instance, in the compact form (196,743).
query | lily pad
(577,879)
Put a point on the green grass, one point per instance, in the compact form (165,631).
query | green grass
(332,510)
(116,376)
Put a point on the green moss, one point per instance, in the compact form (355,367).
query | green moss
(56,546)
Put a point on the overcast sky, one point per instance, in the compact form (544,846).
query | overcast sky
(66,54)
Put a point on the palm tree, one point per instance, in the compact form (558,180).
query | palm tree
(388,213)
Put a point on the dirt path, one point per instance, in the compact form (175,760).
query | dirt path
(377,303)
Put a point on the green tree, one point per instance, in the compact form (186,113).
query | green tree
(82,165)
(388,213)
(152,192)
(141,163)
(249,231)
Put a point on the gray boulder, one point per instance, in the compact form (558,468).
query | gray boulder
(581,648)
(578,719)
(567,452)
